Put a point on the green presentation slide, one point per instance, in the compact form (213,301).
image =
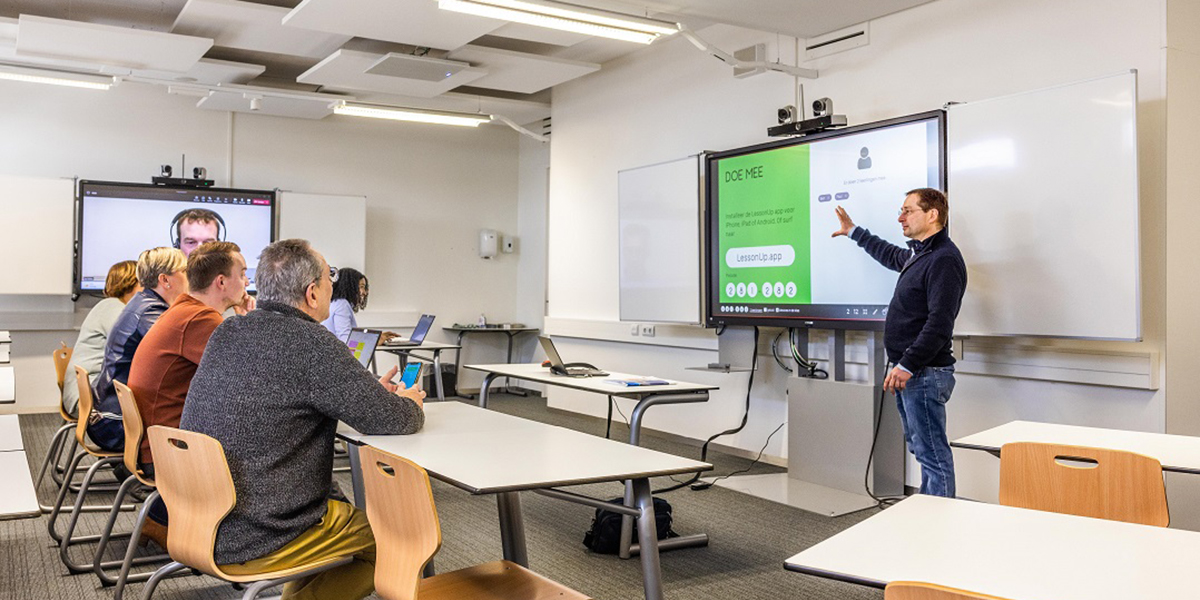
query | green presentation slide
(764,227)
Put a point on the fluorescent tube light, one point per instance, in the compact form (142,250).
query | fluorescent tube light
(412,114)
(79,80)
(566,17)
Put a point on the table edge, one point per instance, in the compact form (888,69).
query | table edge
(834,575)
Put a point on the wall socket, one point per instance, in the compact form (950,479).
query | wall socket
(636,328)
(647,330)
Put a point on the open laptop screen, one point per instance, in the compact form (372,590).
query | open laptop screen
(362,344)
(422,328)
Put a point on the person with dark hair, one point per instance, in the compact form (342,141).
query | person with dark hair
(196,226)
(271,387)
(919,326)
(350,293)
(120,285)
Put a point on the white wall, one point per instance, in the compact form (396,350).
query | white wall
(429,189)
(670,100)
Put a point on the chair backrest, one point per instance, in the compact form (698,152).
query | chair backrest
(915,590)
(1090,482)
(62,357)
(194,481)
(135,431)
(85,405)
(404,520)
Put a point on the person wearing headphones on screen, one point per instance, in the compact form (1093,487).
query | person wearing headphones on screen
(919,326)
(194,227)
(350,291)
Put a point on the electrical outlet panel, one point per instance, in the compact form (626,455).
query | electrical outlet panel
(647,330)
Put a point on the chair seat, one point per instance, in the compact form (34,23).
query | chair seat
(499,580)
(316,565)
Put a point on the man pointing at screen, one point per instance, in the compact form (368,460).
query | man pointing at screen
(919,326)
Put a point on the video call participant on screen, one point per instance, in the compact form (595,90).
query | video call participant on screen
(289,383)
(120,285)
(919,326)
(166,360)
(350,291)
(194,227)
(161,273)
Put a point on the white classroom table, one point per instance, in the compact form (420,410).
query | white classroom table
(434,348)
(1179,453)
(486,452)
(10,434)
(18,500)
(1013,553)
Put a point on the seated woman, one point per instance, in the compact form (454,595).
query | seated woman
(350,291)
(161,272)
(120,285)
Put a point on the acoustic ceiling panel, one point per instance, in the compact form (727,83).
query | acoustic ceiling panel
(210,71)
(303,108)
(414,22)
(520,72)
(250,26)
(408,66)
(348,69)
(60,39)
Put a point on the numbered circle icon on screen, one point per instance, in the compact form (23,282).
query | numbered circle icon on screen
(768,291)
(752,289)
(741,290)
(791,289)
(730,289)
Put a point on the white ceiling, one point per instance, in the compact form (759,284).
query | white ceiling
(335,48)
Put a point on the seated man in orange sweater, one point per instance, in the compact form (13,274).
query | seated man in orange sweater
(167,358)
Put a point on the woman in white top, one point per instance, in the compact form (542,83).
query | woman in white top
(350,291)
(120,285)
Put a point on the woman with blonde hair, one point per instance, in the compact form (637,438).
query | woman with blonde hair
(120,285)
(162,273)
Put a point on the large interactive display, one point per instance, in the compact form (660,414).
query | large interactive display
(117,221)
(770,256)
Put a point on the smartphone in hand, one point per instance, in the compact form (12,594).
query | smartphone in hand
(412,374)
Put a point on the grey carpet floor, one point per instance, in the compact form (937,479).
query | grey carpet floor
(750,537)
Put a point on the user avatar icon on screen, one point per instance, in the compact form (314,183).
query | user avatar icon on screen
(864,160)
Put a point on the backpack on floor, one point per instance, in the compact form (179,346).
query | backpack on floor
(605,535)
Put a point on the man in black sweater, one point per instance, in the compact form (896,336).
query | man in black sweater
(271,387)
(919,326)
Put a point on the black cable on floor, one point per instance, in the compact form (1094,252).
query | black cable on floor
(879,501)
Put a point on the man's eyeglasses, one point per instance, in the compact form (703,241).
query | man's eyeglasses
(904,212)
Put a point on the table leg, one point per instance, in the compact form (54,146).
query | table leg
(648,540)
(512,528)
(437,374)
(623,550)
(483,389)
(356,480)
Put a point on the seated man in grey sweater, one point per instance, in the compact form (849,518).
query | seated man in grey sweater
(271,387)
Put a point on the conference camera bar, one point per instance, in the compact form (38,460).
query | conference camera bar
(823,118)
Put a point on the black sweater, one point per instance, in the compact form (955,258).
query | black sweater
(271,388)
(929,292)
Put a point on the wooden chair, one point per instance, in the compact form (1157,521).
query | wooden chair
(407,534)
(103,458)
(62,358)
(134,434)
(193,478)
(915,590)
(1102,483)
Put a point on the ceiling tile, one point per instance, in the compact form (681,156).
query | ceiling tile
(250,26)
(520,72)
(415,22)
(106,44)
(210,71)
(347,69)
(297,107)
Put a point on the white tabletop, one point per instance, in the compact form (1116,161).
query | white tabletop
(10,434)
(1013,553)
(424,345)
(1179,453)
(18,498)
(484,451)
(536,372)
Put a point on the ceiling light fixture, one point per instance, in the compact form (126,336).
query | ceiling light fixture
(566,17)
(79,80)
(411,114)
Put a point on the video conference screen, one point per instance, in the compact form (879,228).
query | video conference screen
(117,221)
(771,259)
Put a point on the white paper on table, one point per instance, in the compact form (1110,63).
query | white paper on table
(8,387)
(4,354)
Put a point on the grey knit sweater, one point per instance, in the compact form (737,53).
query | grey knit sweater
(271,388)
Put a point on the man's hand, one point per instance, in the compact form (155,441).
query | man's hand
(386,380)
(414,393)
(246,305)
(896,379)
(388,336)
(847,225)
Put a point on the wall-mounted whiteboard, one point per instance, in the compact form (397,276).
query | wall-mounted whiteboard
(659,222)
(1043,190)
(335,225)
(37,242)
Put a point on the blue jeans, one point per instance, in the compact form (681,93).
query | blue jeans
(922,405)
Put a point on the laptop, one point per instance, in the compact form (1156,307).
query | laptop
(572,369)
(362,343)
(418,334)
